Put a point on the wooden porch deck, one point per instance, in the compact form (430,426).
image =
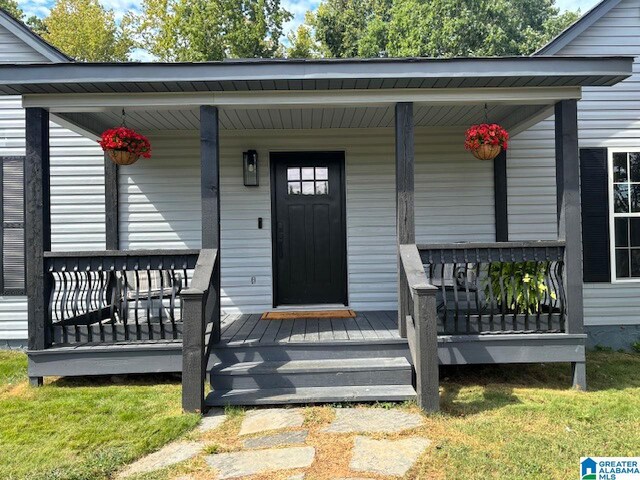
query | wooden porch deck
(366,326)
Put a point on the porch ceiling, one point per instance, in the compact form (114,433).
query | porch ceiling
(306,118)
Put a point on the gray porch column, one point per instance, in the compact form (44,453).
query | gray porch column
(37,225)
(405,216)
(194,362)
(569,226)
(112,234)
(500,197)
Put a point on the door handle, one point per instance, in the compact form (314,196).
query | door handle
(280,239)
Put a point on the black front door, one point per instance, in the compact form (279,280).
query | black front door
(309,231)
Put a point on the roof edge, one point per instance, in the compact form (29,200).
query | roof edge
(32,39)
(576,28)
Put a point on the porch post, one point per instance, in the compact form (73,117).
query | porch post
(405,216)
(112,233)
(569,223)
(194,358)
(500,197)
(38,226)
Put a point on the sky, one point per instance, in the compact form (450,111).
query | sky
(298,8)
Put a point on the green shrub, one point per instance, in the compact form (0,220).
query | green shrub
(519,286)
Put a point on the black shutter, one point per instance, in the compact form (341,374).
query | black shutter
(12,260)
(594,194)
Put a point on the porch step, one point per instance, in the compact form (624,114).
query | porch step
(311,373)
(229,353)
(276,396)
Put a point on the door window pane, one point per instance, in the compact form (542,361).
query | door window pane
(307,173)
(293,173)
(635,197)
(322,173)
(620,167)
(322,188)
(307,188)
(294,188)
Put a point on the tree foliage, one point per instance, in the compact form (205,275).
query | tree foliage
(86,31)
(204,30)
(12,8)
(436,28)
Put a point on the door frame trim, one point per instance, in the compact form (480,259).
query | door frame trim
(343,206)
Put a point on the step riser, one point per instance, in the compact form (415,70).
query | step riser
(306,379)
(301,396)
(283,353)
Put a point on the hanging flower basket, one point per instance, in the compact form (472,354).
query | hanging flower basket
(485,141)
(124,146)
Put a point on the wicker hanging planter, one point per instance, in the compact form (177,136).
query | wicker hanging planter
(123,145)
(486,152)
(486,141)
(122,157)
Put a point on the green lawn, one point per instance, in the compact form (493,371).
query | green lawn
(82,429)
(497,422)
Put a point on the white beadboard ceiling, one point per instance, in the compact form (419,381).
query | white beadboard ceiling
(314,118)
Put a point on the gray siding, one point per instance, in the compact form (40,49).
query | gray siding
(77,198)
(160,205)
(607,117)
(14,50)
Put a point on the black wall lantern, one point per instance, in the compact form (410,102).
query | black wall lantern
(250,168)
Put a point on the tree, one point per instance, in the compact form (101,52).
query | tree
(12,8)
(437,28)
(302,44)
(86,31)
(205,30)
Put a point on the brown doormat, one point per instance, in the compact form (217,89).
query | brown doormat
(308,314)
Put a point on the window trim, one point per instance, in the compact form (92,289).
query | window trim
(612,214)
(23,291)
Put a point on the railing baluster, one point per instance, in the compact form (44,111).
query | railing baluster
(516,281)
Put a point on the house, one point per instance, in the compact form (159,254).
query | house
(339,147)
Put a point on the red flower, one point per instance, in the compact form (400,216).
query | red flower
(123,138)
(492,134)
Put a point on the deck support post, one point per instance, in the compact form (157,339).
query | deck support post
(37,227)
(405,216)
(500,197)
(569,221)
(111,208)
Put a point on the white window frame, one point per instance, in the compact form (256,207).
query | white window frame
(613,215)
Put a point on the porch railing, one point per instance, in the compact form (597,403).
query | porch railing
(202,327)
(418,314)
(497,287)
(116,296)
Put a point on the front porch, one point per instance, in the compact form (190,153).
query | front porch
(130,310)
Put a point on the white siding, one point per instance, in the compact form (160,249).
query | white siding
(14,50)
(77,198)
(607,117)
(160,204)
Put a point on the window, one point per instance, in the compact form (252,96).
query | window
(12,260)
(624,205)
(308,180)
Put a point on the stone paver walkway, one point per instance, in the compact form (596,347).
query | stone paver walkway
(256,421)
(372,420)
(239,464)
(170,454)
(277,440)
(265,450)
(386,457)
(212,420)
